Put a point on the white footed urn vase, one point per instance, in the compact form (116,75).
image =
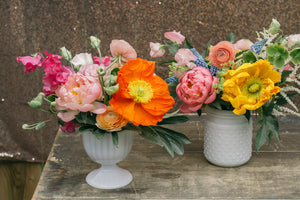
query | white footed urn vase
(227,138)
(104,152)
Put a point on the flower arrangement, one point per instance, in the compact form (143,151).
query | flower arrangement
(106,94)
(240,76)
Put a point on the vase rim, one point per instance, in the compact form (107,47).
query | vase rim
(221,113)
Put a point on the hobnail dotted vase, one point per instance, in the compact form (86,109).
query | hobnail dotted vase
(227,138)
(104,152)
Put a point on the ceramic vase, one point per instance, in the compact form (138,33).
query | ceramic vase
(227,138)
(104,152)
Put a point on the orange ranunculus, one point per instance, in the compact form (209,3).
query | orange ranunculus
(143,97)
(110,120)
(221,54)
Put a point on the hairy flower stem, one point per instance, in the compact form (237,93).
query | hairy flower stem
(102,87)
(98,49)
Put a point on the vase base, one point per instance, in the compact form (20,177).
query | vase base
(109,177)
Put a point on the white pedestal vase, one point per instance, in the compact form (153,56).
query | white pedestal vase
(104,152)
(227,138)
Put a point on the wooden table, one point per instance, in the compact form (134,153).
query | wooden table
(273,173)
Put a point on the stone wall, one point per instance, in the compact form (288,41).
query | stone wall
(35,26)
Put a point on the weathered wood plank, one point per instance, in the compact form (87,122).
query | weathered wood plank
(273,173)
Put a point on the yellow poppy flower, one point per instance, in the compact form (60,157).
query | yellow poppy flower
(250,86)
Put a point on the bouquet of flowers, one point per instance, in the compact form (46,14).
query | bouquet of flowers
(241,76)
(106,94)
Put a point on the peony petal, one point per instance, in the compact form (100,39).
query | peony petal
(99,108)
(67,116)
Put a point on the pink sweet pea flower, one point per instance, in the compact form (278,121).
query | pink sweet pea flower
(105,60)
(292,39)
(243,44)
(79,93)
(195,89)
(156,50)
(69,127)
(184,57)
(31,63)
(123,49)
(174,36)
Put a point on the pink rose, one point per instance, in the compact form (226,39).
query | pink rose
(243,44)
(174,37)
(184,57)
(292,39)
(79,93)
(123,49)
(195,88)
(31,63)
(156,50)
(105,60)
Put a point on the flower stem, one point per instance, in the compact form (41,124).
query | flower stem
(98,49)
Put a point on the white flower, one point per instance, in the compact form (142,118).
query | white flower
(157,50)
(82,59)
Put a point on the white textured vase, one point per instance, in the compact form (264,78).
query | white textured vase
(104,152)
(227,138)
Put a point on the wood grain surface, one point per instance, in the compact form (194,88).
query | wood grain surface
(273,173)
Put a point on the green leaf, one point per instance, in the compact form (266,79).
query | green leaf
(277,55)
(249,57)
(174,134)
(149,134)
(204,54)
(40,125)
(174,120)
(114,71)
(166,143)
(172,88)
(272,50)
(173,48)
(51,97)
(273,126)
(167,62)
(279,62)
(187,44)
(295,54)
(231,37)
(281,101)
(115,138)
(199,112)
(86,128)
(86,118)
(248,115)
(261,136)
(285,74)
(268,108)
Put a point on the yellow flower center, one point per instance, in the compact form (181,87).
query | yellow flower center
(252,88)
(140,91)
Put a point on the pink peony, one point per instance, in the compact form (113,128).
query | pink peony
(105,60)
(175,37)
(122,48)
(156,51)
(79,93)
(242,44)
(89,70)
(31,63)
(184,57)
(69,127)
(195,88)
(292,39)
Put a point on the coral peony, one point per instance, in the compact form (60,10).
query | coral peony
(79,93)
(184,57)
(110,120)
(250,86)
(243,44)
(195,88)
(82,59)
(174,36)
(143,98)
(156,50)
(221,54)
(123,49)
(31,63)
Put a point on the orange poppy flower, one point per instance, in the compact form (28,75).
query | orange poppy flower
(143,98)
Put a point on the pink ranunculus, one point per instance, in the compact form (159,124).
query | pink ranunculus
(82,59)
(123,49)
(243,44)
(79,93)
(292,39)
(69,127)
(156,50)
(105,60)
(174,36)
(184,57)
(31,63)
(195,88)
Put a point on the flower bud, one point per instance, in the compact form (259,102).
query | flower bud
(53,104)
(95,42)
(66,54)
(110,80)
(37,101)
(112,89)
(101,71)
(274,27)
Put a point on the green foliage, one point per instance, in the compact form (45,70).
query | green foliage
(174,120)
(249,57)
(86,118)
(295,54)
(204,54)
(187,44)
(115,138)
(172,47)
(231,37)
(172,89)
(277,55)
